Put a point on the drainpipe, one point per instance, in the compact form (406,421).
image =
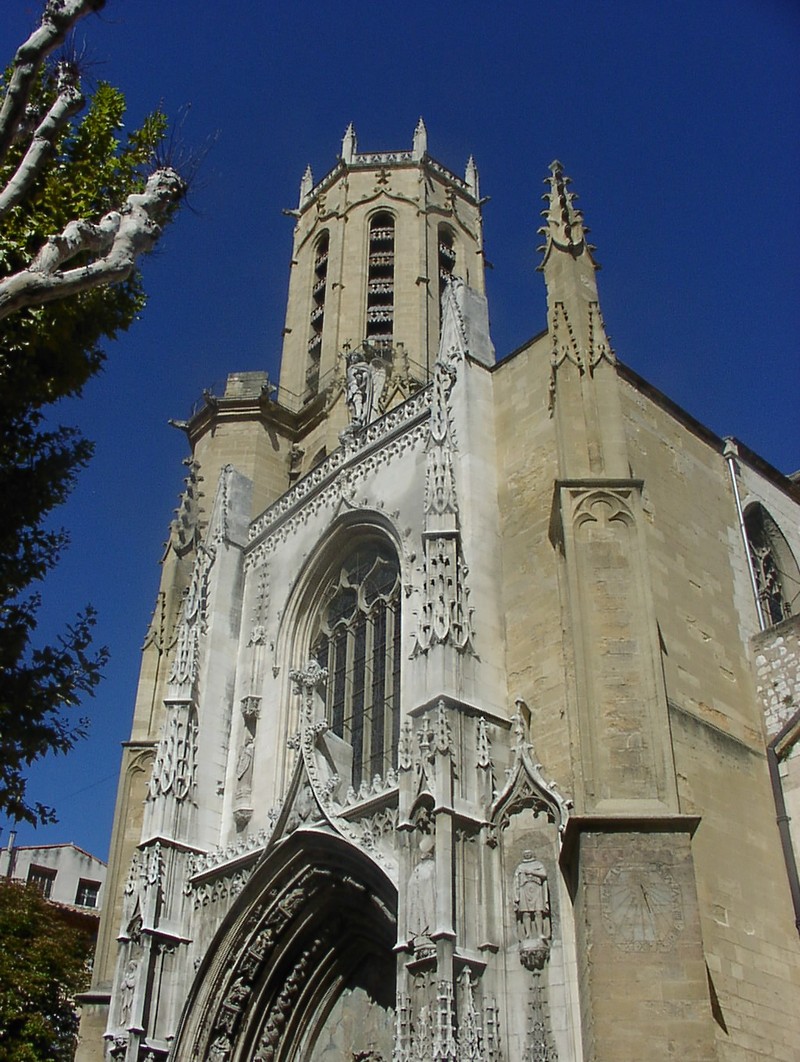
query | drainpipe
(730,452)
(777,750)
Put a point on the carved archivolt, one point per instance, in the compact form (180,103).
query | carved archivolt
(301,933)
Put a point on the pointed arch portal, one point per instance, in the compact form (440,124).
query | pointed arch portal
(303,967)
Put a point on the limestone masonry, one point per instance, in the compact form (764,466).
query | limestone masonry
(467,716)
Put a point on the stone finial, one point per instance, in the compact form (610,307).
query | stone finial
(564,221)
(306,185)
(471,178)
(419,144)
(349,144)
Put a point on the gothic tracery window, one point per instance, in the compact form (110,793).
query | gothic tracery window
(358,641)
(775,569)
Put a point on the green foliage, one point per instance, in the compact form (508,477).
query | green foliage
(48,352)
(43,964)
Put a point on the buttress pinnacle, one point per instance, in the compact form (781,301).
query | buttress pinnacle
(564,228)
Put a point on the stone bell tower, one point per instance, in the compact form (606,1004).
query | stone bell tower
(373,244)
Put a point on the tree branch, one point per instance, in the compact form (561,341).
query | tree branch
(58,18)
(119,239)
(66,105)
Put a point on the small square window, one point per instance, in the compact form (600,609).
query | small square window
(42,878)
(87,893)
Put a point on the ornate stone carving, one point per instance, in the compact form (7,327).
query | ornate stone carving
(174,767)
(539,1046)
(532,911)
(445,616)
(219,889)
(185,528)
(382,441)
(366,378)
(525,785)
(270,1039)
(192,623)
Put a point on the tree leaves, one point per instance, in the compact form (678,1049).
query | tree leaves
(43,964)
(47,352)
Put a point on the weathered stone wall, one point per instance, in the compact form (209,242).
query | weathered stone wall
(777,664)
(706,615)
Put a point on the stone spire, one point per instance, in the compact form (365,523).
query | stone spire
(306,185)
(592,437)
(419,146)
(349,144)
(471,178)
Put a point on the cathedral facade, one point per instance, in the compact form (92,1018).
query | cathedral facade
(467,712)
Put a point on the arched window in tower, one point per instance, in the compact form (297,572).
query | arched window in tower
(775,569)
(318,291)
(358,640)
(447,256)
(380,278)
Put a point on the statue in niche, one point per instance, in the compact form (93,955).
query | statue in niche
(127,989)
(532,910)
(359,389)
(244,764)
(422,898)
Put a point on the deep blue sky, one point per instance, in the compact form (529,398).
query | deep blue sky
(677,121)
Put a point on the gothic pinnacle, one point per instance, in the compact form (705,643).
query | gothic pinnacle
(471,178)
(349,144)
(419,145)
(564,228)
(306,185)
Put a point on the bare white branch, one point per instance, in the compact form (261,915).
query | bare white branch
(57,20)
(115,242)
(66,105)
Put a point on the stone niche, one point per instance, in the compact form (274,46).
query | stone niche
(538,946)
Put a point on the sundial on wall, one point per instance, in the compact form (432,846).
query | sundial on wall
(641,906)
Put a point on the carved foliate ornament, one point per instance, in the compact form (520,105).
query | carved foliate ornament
(526,787)
(191,624)
(174,768)
(445,617)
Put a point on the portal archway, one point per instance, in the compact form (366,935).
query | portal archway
(302,968)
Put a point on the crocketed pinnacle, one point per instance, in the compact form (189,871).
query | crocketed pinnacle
(564,228)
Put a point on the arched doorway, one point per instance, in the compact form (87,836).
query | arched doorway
(302,970)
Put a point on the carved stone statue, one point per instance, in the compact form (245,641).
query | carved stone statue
(421,902)
(531,899)
(244,764)
(532,910)
(366,377)
(127,989)
(359,390)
